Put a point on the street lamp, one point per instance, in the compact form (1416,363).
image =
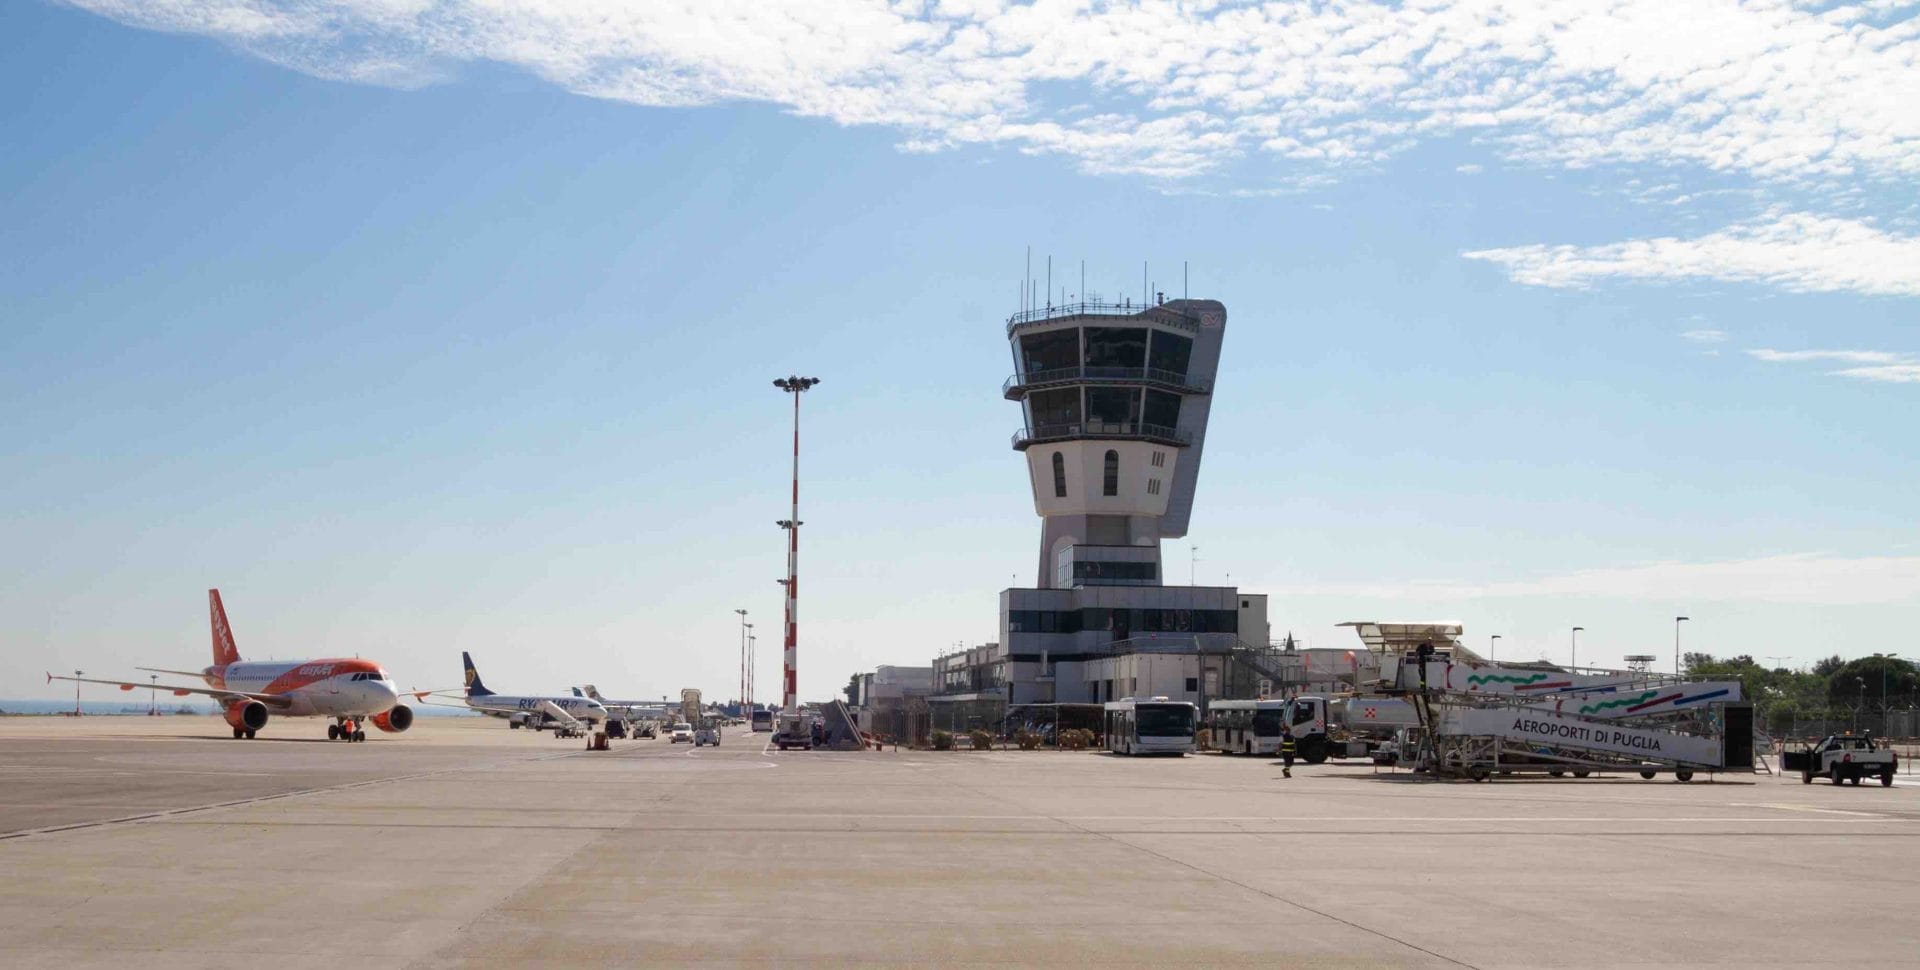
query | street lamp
(1574,652)
(743,661)
(1676,644)
(1491,644)
(153,695)
(789,686)
(753,660)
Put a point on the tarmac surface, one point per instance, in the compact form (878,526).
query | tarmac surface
(164,843)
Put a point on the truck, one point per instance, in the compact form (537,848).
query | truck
(707,733)
(690,705)
(1843,758)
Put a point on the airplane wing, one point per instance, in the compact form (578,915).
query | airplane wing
(280,701)
(163,670)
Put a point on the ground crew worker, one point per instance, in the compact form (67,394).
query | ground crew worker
(1286,753)
(350,727)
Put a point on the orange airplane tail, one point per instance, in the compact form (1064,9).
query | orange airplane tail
(224,652)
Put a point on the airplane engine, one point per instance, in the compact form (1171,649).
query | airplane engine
(394,720)
(247,715)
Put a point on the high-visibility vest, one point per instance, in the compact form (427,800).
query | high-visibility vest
(1286,745)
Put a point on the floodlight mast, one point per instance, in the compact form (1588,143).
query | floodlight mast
(789,705)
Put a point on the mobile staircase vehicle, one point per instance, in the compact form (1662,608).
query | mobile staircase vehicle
(1481,720)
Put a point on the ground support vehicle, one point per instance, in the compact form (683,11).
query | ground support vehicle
(1843,758)
(1150,726)
(707,733)
(1483,736)
(795,731)
(762,721)
(680,731)
(1246,727)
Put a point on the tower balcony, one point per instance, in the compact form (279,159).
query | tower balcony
(1017,386)
(1131,430)
(1158,313)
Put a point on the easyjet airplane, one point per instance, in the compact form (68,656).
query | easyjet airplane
(248,691)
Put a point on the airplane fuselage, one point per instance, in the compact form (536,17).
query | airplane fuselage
(328,687)
(581,708)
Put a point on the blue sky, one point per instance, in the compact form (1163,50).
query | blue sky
(418,329)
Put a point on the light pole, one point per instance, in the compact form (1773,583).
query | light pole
(153,695)
(1676,644)
(1574,652)
(76,692)
(743,662)
(1193,563)
(1492,642)
(789,686)
(753,659)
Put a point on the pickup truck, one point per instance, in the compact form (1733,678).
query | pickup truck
(1843,758)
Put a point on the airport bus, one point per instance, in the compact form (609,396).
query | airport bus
(761,720)
(1247,727)
(1153,726)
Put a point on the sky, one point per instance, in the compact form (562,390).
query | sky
(419,327)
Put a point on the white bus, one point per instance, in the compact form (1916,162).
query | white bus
(1154,726)
(1247,727)
(761,721)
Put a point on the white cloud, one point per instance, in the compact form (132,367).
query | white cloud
(1772,356)
(1469,169)
(1797,251)
(1773,89)
(1881,366)
(1908,373)
(1804,579)
(1705,336)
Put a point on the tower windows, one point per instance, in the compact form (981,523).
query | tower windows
(1059,476)
(1153,486)
(1111,483)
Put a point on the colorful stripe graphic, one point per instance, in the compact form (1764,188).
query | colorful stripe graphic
(1478,679)
(1622,702)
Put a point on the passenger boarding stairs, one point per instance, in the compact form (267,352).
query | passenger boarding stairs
(1478,720)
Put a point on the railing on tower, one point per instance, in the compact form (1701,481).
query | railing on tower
(1162,314)
(1147,375)
(1101,429)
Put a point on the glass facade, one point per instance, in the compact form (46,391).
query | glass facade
(1096,571)
(1050,351)
(1123,623)
(1116,347)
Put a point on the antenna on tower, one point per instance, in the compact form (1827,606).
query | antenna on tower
(1183,279)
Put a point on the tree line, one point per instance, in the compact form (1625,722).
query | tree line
(1831,687)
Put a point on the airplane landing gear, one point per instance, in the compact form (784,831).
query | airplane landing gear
(338,732)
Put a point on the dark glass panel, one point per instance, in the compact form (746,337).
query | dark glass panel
(1055,407)
(1171,352)
(1117,347)
(1051,350)
(1163,409)
(1112,405)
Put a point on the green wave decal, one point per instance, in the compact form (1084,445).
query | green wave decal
(1479,679)
(1622,702)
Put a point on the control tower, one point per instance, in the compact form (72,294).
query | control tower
(1116,400)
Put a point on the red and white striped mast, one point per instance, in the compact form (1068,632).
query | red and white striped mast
(789,703)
